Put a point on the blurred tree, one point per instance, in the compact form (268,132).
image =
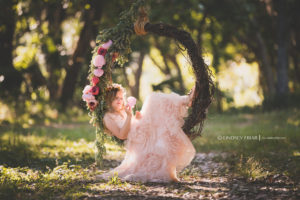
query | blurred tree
(10,78)
(283,33)
(91,19)
(141,45)
(265,22)
(262,31)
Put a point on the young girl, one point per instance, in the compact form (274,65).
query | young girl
(156,147)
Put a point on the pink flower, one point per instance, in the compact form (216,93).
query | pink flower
(92,104)
(88,97)
(131,101)
(98,72)
(102,51)
(87,89)
(95,80)
(95,90)
(107,44)
(99,61)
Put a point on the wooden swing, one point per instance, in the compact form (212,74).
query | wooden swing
(135,21)
(204,85)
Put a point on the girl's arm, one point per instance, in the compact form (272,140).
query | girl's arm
(116,131)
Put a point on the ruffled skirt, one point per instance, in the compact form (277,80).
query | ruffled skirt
(156,146)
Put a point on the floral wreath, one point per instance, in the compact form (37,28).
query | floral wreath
(113,47)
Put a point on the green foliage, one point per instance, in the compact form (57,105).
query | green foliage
(120,36)
(60,180)
(115,180)
(251,168)
(57,162)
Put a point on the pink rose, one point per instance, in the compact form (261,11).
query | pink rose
(107,44)
(98,72)
(87,89)
(92,104)
(99,61)
(95,80)
(88,97)
(131,101)
(95,90)
(102,51)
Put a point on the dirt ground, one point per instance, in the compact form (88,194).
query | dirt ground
(207,177)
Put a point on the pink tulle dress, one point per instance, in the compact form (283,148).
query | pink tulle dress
(156,146)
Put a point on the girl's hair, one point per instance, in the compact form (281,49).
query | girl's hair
(111,93)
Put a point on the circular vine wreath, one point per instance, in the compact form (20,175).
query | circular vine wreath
(113,47)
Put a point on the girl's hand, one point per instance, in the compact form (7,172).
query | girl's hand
(128,110)
(138,115)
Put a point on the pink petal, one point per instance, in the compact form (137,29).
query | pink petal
(99,61)
(107,44)
(86,89)
(95,80)
(88,97)
(98,72)
(131,101)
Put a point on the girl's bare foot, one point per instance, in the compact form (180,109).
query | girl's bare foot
(175,179)
(173,174)
(191,95)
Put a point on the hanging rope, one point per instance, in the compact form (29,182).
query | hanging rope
(141,22)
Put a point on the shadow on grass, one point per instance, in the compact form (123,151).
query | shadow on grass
(90,189)
(22,154)
(233,188)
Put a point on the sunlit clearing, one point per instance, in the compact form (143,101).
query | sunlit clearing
(151,75)
(241,81)
(71,29)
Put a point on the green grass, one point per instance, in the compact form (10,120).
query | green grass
(57,161)
(255,157)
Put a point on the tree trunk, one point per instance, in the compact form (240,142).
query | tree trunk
(295,53)
(219,97)
(88,33)
(137,76)
(10,85)
(266,64)
(174,61)
(200,31)
(296,67)
(135,89)
(282,41)
(215,63)
(55,17)
(162,69)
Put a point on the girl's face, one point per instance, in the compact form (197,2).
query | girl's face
(118,103)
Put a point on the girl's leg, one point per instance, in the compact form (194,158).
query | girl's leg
(191,95)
